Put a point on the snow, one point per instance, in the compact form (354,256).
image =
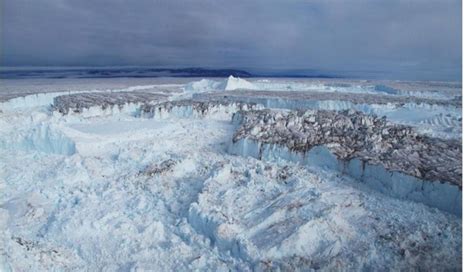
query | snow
(108,189)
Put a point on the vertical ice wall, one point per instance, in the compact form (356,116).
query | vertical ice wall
(43,137)
(441,195)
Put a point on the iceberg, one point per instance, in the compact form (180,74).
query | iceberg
(236,83)
(230,84)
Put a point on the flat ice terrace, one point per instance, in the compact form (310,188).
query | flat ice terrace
(230,174)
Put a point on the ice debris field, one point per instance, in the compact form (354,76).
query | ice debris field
(230,174)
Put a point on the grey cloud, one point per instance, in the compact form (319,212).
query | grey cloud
(394,38)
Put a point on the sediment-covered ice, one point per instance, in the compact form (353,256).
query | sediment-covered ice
(79,102)
(46,98)
(222,110)
(351,134)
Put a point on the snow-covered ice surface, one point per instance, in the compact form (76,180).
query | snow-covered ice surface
(109,189)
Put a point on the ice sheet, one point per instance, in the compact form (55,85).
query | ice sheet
(141,194)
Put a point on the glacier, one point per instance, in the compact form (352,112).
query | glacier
(145,175)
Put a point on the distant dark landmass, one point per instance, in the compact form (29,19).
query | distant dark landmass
(138,72)
(119,72)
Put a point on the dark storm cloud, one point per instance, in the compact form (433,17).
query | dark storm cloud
(406,39)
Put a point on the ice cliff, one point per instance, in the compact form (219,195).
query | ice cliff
(393,158)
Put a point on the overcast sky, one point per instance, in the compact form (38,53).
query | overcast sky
(388,38)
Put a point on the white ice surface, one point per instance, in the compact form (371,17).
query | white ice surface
(204,85)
